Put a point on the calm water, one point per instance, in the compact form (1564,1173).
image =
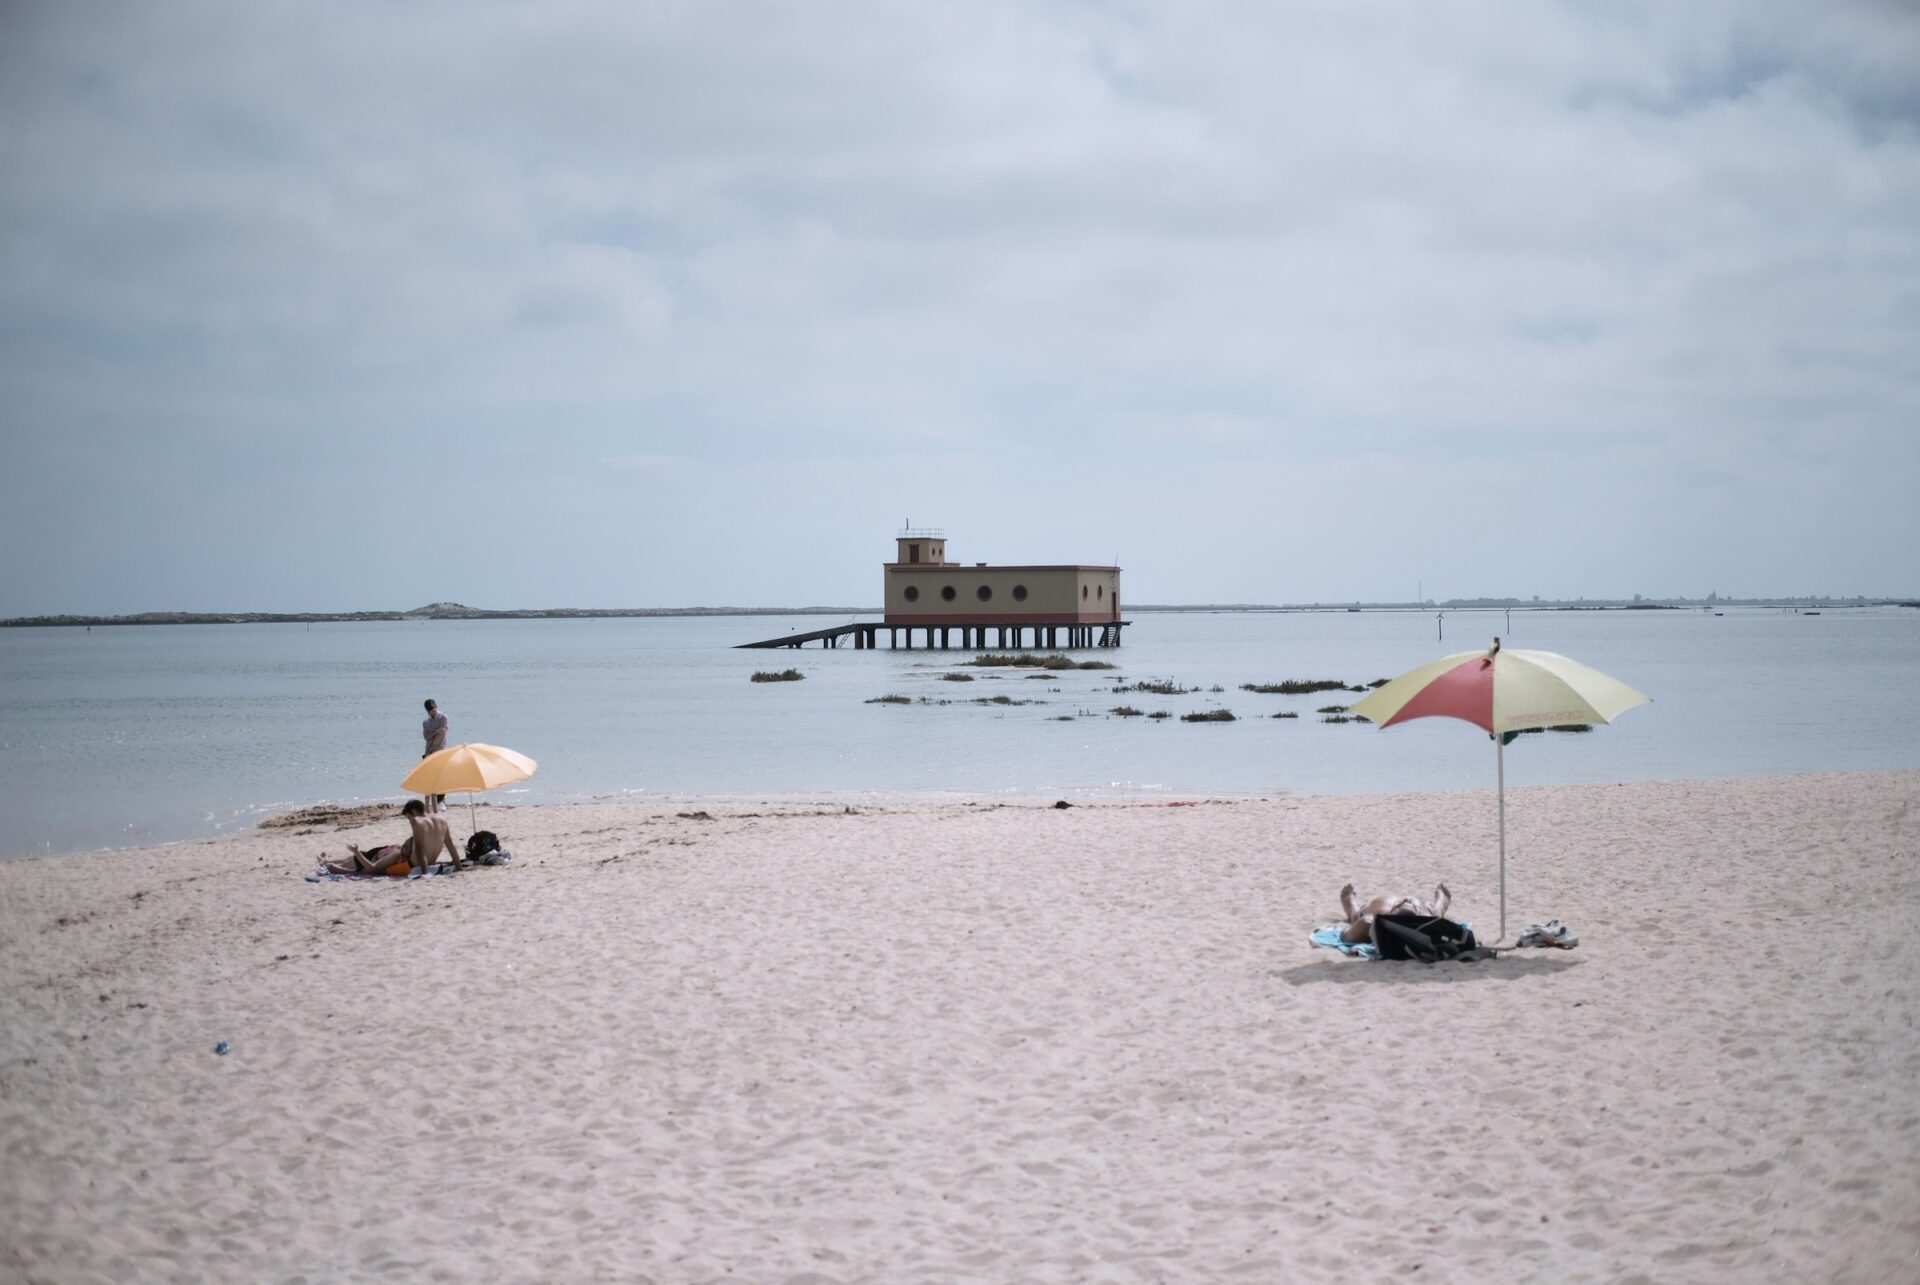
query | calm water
(129,736)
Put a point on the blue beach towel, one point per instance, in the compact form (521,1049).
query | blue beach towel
(1328,935)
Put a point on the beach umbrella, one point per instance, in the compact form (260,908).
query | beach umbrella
(470,768)
(1506,692)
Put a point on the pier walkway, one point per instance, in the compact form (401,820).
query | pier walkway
(971,637)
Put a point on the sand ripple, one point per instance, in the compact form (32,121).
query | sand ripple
(981,1043)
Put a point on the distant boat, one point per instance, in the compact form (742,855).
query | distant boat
(1809,613)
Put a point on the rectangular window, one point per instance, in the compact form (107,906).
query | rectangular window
(913,553)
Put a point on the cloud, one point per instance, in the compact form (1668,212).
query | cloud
(1030,241)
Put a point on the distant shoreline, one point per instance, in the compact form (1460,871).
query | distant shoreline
(449,612)
(455,611)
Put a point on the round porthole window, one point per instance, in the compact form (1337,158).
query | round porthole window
(1019,593)
(913,593)
(946,593)
(1083,591)
(983,593)
(1099,591)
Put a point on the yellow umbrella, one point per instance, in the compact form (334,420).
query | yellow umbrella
(469,768)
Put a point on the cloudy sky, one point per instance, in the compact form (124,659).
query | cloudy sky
(315,307)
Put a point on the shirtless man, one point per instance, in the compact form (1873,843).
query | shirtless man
(431,834)
(1360,918)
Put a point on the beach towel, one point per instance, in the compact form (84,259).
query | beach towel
(1328,935)
(328,876)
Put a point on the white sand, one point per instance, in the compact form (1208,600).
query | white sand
(976,1043)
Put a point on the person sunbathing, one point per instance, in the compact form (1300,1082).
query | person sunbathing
(1360,917)
(378,861)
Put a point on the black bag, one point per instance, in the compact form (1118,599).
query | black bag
(1421,937)
(482,842)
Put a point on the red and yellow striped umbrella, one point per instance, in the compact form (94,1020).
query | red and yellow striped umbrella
(1502,691)
(1506,692)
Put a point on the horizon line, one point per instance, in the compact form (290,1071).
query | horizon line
(458,611)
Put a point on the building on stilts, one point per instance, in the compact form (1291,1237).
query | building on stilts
(933,603)
(979,605)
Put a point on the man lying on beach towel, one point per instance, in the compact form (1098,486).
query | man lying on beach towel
(1427,938)
(335,873)
(386,859)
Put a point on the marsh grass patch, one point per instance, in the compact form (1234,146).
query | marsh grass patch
(1295,686)
(1027,660)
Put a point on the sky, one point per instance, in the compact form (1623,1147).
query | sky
(362,306)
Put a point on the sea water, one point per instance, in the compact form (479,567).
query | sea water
(130,735)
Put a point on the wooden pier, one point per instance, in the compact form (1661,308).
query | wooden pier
(1008,636)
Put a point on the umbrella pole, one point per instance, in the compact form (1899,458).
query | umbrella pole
(1500,774)
(474,826)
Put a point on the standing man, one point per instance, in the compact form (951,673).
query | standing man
(435,732)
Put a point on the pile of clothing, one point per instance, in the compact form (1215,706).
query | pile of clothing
(1552,933)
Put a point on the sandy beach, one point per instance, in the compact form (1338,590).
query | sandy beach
(981,1042)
